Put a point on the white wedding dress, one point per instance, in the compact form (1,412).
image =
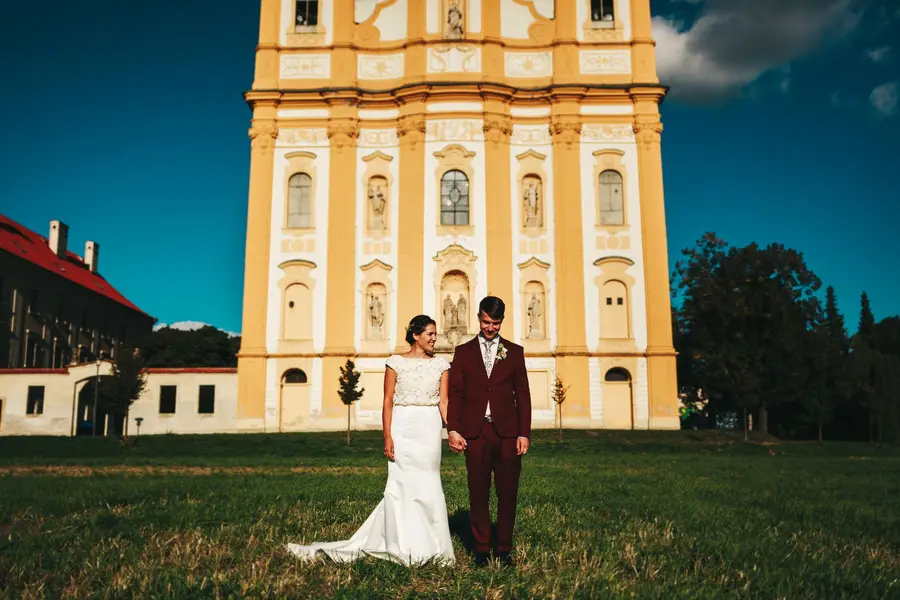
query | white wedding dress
(410,524)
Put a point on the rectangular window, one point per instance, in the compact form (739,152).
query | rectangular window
(307,15)
(34,304)
(602,11)
(35,400)
(167,399)
(207,403)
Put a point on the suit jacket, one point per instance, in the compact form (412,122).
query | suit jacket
(506,391)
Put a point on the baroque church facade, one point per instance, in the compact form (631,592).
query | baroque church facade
(413,156)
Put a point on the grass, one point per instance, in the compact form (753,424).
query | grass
(603,515)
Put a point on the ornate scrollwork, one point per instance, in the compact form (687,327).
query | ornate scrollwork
(411,130)
(647,130)
(567,132)
(497,130)
(262,137)
(343,133)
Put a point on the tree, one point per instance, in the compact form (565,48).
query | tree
(177,348)
(744,318)
(126,384)
(559,396)
(348,392)
(829,377)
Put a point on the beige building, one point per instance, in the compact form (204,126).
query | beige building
(60,401)
(414,156)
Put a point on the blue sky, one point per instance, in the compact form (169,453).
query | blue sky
(126,120)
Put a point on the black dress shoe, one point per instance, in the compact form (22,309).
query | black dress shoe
(506,560)
(482,559)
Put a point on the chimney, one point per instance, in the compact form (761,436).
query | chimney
(59,238)
(91,255)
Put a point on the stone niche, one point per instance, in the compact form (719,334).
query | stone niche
(454,280)
(376,291)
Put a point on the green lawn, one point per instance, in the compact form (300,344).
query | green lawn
(605,514)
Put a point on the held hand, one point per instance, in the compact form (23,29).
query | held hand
(389,448)
(522,444)
(457,442)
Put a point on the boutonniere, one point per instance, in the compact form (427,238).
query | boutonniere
(501,351)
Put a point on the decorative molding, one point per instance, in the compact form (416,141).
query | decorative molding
(534,262)
(528,64)
(379,66)
(297,262)
(607,133)
(300,154)
(567,132)
(342,133)
(531,154)
(379,155)
(648,129)
(262,137)
(497,130)
(377,138)
(454,59)
(605,62)
(614,259)
(454,130)
(454,151)
(302,137)
(376,264)
(530,135)
(306,66)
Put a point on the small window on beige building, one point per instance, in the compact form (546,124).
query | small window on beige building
(167,394)
(300,201)
(207,400)
(35,404)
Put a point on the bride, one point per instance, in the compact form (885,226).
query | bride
(410,523)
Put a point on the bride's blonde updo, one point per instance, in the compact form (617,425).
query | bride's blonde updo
(416,326)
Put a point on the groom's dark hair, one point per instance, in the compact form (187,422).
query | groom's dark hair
(493,307)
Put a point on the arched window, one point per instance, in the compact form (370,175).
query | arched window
(454,198)
(611,208)
(300,201)
(294,376)
(618,374)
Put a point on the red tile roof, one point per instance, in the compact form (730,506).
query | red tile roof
(21,242)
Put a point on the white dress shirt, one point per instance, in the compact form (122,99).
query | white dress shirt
(495,346)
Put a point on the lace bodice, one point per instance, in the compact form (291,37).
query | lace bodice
(418,380)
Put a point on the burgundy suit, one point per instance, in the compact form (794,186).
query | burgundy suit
(491,446)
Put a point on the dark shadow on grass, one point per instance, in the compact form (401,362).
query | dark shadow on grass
(461,527)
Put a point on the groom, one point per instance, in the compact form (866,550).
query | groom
(489,418)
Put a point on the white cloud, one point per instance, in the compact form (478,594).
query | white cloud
(189,326)
(878,54)
(734,42)
(885,98)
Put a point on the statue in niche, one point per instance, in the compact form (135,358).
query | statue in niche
(377,202)
(532,198)
(376,318)
(461,306)
(454,22)
(449,313)
(534,317)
